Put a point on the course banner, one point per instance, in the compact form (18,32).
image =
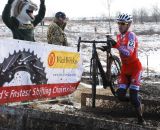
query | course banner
(31,70)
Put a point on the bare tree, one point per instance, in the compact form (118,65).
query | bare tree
(109,14)
(155,13)
(135,15)
(103,17)
(143,15)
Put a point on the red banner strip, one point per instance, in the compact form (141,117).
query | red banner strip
(32,92)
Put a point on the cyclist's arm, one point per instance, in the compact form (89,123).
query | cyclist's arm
(117,44)
(127,50)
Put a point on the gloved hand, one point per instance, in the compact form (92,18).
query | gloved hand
(42,1)
(10,1)
(111,41)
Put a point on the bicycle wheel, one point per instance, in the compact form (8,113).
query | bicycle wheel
(115,67)
(94,75)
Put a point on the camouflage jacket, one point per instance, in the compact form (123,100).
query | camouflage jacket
(19,31)
(56,35)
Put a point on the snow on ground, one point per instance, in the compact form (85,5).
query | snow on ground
(150,47)
(149,43)
(89,86)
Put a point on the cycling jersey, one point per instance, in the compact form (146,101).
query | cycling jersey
(130,76)
(127,45)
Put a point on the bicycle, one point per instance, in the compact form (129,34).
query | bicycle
(110,77)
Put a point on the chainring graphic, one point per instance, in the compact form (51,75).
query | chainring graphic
(22,61)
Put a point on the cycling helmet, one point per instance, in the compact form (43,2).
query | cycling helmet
(124,18)
(60,15)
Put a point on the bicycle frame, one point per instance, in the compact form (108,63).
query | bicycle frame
(106,77)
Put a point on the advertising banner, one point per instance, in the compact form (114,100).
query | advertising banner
(31,70)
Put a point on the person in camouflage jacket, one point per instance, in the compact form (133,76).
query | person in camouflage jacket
(55,33)
(22,21)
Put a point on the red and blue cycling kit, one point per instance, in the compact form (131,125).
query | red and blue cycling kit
(130,76)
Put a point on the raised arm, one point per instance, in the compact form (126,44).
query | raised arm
(6,15)
(41,13)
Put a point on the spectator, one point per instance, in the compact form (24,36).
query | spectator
(55,33)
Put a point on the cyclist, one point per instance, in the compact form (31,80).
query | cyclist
(131,70)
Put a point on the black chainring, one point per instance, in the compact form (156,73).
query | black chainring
(22,61)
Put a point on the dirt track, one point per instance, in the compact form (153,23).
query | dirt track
(150,91)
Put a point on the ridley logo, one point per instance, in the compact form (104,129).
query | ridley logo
(62,59)
(51,59)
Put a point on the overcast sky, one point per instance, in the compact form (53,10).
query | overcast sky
(91,8)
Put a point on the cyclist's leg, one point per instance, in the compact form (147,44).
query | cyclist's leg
(134,88)
(122,86)
(121,94)
(134,97)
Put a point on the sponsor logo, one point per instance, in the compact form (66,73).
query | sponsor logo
(62,59)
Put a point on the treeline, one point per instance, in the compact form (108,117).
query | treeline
(139,16)
(146,15)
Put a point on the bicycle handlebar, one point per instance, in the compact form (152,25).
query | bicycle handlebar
(87,41)
(93,41)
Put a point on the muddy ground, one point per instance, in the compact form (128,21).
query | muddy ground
(109,110)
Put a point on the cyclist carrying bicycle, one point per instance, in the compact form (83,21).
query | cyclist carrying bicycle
(131,70)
